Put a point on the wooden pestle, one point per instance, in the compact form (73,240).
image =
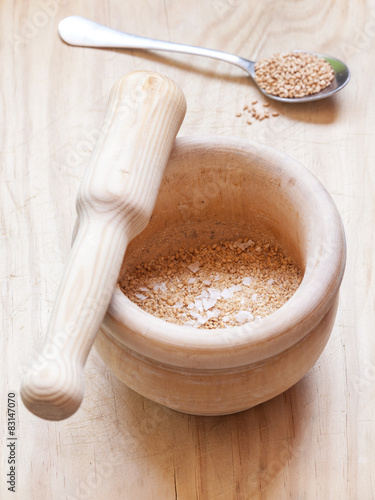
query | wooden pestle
(114,203)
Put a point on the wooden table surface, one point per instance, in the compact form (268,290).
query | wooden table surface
(315,441)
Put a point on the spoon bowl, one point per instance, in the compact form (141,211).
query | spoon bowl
(79,31)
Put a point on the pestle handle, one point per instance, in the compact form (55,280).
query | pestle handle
(114,203)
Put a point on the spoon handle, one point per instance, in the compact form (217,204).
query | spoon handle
(114,203)
(77,30)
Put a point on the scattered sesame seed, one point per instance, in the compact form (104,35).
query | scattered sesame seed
(257,111)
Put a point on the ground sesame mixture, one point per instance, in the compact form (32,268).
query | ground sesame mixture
(215,286)
(295,74)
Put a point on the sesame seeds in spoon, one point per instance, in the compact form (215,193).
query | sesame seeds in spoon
(278,84)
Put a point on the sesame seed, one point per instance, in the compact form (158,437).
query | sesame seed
(295,74)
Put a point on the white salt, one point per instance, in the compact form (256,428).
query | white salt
(197,304)
(178,305)
(209,303)
(214,293)
(228,292)
(245,245)
(243,317)
(194,267)
(247,281)
(162,287)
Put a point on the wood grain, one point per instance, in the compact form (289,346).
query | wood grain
(313,442)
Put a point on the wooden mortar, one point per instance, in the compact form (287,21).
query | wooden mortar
(215,188)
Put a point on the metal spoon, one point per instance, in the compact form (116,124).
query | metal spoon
(77,30)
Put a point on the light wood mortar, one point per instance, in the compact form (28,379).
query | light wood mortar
(216,188)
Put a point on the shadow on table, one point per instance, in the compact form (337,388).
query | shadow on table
(233,456)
